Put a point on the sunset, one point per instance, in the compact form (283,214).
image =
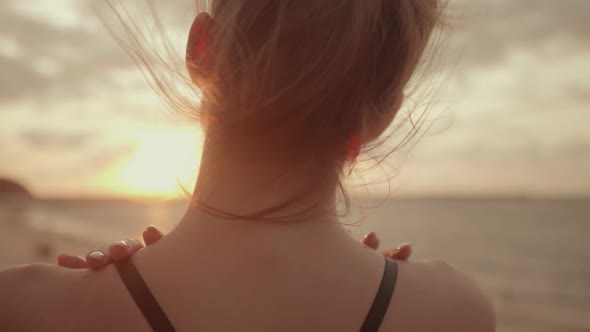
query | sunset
(171,151)
(509,118)
(100,137)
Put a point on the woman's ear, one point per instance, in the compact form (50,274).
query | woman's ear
(198,49)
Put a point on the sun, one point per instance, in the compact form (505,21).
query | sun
(165,161)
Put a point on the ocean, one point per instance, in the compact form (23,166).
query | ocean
(531,256)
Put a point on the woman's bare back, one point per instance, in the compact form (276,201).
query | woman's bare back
(429,296)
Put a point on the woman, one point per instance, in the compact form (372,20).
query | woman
(291,92)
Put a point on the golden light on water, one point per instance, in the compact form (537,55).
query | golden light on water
(165,161)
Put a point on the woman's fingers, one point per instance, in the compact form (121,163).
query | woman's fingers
(371,240)
(401,253)
(99,257)
(106,254)
(122,250)
(152,235)
(72,262)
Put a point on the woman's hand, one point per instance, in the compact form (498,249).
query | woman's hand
(121,250)
(401,253)
(106,254)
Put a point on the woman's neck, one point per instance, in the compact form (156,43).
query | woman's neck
(241,187)
(238,182)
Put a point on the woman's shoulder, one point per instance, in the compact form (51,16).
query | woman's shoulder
(46,295)
(32,272)
(39,279)
(32,293)
(433,295)
(21,282)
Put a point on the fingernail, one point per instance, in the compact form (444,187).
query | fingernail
(97,255)
(370,235)
(121,244)
(406,248)
(60,259)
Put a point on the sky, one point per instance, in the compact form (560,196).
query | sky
(510,116)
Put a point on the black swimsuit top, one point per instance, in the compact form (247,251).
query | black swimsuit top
(159,322)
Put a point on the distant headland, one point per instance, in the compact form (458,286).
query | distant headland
(10,190)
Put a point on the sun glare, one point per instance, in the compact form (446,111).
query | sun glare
(165,161)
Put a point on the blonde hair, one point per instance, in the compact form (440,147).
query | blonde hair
(297,77)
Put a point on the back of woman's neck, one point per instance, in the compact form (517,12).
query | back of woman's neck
(238,184)
(201,240)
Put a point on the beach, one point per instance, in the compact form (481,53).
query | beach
(531,256)
(24,246)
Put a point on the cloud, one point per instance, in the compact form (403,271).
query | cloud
(19,79)
(486,32)
(53,157)
(54,60)
(43,139)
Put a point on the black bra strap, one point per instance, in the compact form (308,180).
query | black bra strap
(159,322)
(143,297)
(381,302)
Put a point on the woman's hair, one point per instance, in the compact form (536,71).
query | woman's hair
(298,78)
